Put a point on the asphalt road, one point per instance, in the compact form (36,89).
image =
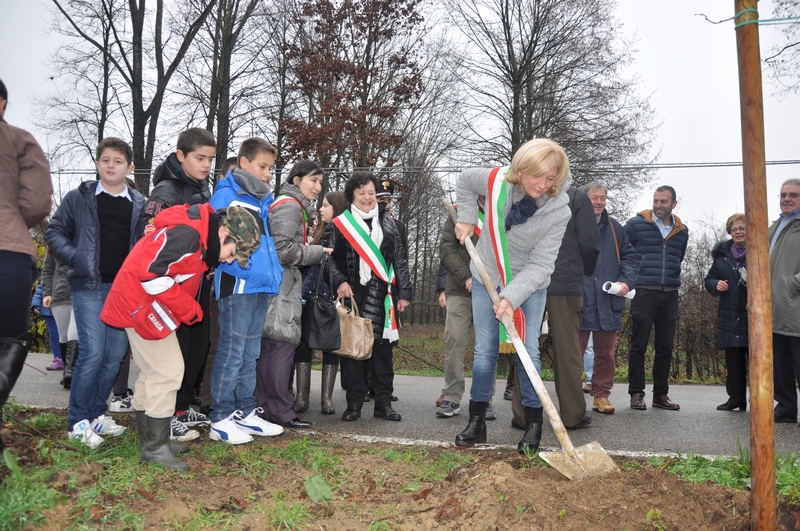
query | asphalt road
(696,428)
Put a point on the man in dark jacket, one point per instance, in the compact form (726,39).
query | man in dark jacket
(458,299)
(182,180)
(25,193)
(602,311)
(660,238)
(577,257)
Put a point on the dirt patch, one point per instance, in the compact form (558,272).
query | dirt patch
(380,486)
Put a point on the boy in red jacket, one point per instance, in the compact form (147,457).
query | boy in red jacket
(155,292)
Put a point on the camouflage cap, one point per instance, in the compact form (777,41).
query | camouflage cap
(245,231)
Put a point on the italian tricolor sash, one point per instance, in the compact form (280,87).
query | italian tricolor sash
(496,226)
(369,252)
(285,198)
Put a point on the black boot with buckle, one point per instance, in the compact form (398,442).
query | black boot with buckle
(533,430)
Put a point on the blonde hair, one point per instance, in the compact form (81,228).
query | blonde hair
(536,157)
(733,219)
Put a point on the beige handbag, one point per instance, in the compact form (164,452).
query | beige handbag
(357,335)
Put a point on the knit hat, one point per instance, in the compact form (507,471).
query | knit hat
(245,231)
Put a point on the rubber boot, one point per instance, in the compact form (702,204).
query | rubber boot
(70,357)
(328,382)
(157,444)
(303,371)
(12,359)
(141,427)
(533,430)
(475,432)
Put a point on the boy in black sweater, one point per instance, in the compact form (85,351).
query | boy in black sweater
(182,179)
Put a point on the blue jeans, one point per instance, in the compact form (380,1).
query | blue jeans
(102,348)
(487,330)
(233,378)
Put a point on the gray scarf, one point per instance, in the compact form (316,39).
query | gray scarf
(250,183)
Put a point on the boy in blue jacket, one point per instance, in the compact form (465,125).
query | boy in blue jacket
(92,232)
(242,297)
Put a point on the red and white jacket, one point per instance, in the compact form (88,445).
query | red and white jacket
(166,265)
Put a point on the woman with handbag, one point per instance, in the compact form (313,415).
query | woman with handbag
(369,264)
(288,220)
(527,211)
(334,204)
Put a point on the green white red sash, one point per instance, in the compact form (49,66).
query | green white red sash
(496,227)
(479,226)
(371,254)
(285,198)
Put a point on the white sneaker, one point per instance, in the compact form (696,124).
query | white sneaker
(255,425)
(82,431)
(179,432)
(121,404)
(229,431)
(104,425)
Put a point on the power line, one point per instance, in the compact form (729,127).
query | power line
(452,169)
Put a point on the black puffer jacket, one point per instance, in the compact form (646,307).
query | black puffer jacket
(732,312)
(171,187)
(345,268)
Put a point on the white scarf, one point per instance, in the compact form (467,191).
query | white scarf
(376,235)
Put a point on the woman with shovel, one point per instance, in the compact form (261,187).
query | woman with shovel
(526,215)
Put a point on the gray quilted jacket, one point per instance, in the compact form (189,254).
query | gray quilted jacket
(286,227)
(532,246)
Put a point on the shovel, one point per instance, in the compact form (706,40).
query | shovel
(575,463)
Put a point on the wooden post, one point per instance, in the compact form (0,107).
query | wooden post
(762,428)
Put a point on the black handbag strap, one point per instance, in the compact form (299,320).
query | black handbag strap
(320,272)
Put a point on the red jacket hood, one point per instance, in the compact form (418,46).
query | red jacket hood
(196,216)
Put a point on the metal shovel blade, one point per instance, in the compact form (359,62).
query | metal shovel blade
(590,460)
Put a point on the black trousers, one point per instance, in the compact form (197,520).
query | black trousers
(736,379)
(786,373)
(652,309)
(194,341)
(353,372)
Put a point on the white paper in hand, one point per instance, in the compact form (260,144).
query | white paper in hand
(612,288)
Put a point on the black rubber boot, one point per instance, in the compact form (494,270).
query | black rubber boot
(303,371)
(70,357)
(12,359)
(533,430)
(475,432)
(328,381)
(157,448)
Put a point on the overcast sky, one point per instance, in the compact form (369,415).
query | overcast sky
(687,65)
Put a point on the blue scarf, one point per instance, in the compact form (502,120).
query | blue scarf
(521,212)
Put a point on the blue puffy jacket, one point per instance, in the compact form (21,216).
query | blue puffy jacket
(264,272)
(74,234)
(617,263)
(660,258)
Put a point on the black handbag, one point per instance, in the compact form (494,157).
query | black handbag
(320,320)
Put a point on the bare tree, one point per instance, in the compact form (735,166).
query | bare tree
(221,72)
(89,95)
(784,57)
(552,68)
(140,52)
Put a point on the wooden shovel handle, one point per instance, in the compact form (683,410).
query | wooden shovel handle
(508,321)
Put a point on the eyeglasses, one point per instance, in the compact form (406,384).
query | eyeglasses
(737,229)
(793,195)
